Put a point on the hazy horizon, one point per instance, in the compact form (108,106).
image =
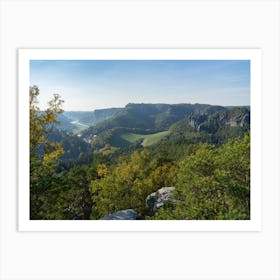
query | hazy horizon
(155,104)
(87,85)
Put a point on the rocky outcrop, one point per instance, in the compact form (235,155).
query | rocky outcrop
(245,120)
(239,120)
(196,119)
(128,214)
(157,199)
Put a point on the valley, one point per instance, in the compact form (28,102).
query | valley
(147,124)
(146,161)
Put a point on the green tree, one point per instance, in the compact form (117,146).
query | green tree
(213,183)
(69,195)
(126,185)
(43,152)
(197,189)
(233,173)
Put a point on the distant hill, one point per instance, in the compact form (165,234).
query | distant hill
(141,123)
(151,117)
(76,121)
(231,122)
(91,117)
(65,123)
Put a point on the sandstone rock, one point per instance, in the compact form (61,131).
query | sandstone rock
(156,200)
(128,214)
(245,119)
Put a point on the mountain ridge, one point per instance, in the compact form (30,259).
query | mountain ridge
(145,119)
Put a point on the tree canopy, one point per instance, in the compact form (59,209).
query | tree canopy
(205,158)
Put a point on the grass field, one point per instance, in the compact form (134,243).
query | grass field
(148,139)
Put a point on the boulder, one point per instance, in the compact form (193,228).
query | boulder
(128,214)
(156,200)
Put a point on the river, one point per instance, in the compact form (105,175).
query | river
(78,123)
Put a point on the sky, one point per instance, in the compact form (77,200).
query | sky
(86,85)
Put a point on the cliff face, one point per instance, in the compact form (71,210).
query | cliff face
(235,117)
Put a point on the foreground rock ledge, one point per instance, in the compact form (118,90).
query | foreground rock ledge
(157,199)
(128,214)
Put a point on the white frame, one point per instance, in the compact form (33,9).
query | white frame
(254,55)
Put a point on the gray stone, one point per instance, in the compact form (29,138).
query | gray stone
(128,214)
(156,200)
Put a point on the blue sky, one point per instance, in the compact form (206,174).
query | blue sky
(91,84)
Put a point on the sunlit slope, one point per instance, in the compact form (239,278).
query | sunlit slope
(146,139)
(142,125)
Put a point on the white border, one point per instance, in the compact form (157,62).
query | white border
(254,55)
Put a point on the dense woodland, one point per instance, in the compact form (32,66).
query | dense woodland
(86,165)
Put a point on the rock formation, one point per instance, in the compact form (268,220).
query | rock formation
(128,214)
(157,199)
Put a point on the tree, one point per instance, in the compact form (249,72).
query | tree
(43,152)
(234,174)
(213,183)
(71,197)
(126,185)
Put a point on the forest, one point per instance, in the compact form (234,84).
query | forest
(144,161)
